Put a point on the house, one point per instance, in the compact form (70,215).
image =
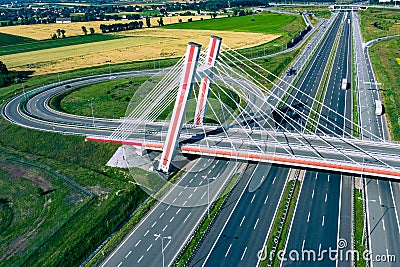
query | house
(63,20)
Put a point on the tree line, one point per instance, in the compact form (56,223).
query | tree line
(8,77)
(117,27)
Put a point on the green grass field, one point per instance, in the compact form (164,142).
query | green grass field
(48,229)
(111,99)
(377,23)
(387,71)
(267,23)
(9,39)
(34,45)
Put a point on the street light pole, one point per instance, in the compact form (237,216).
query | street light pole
(91,107)
(162,245)
(208,195)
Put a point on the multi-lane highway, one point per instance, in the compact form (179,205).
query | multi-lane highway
(382,197)
(317,223)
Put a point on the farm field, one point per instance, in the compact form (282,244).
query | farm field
(9,39)
(27,46)
(43,31)
(263,23)
(138,45)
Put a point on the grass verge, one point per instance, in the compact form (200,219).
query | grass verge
(280,228)
(387,70)
(359,227)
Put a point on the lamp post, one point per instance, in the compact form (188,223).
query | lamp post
(162,245)
(91,107)
(208,194)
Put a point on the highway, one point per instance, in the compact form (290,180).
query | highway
(239,237)
(382,196)
(322,217)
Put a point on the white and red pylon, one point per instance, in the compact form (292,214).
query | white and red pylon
(212,55)
(185,88)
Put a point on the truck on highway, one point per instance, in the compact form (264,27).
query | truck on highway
(344,84)
(378,108)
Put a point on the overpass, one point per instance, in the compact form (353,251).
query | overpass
(253,131)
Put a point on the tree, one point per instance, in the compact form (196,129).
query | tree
(58,33)
(148,24)
(91,31)
(214,15)
(63,33)
(53,36)
(3,68)
(84,30)
(160,22)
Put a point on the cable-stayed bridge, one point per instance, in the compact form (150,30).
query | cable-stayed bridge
(252,118)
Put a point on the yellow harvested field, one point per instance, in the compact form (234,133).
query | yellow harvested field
(398,60)
(138,45)
(44,31)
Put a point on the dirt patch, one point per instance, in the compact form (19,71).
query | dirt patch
(15,171)
(99,191)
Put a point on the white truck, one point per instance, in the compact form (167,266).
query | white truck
(344,84)
(378,108)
